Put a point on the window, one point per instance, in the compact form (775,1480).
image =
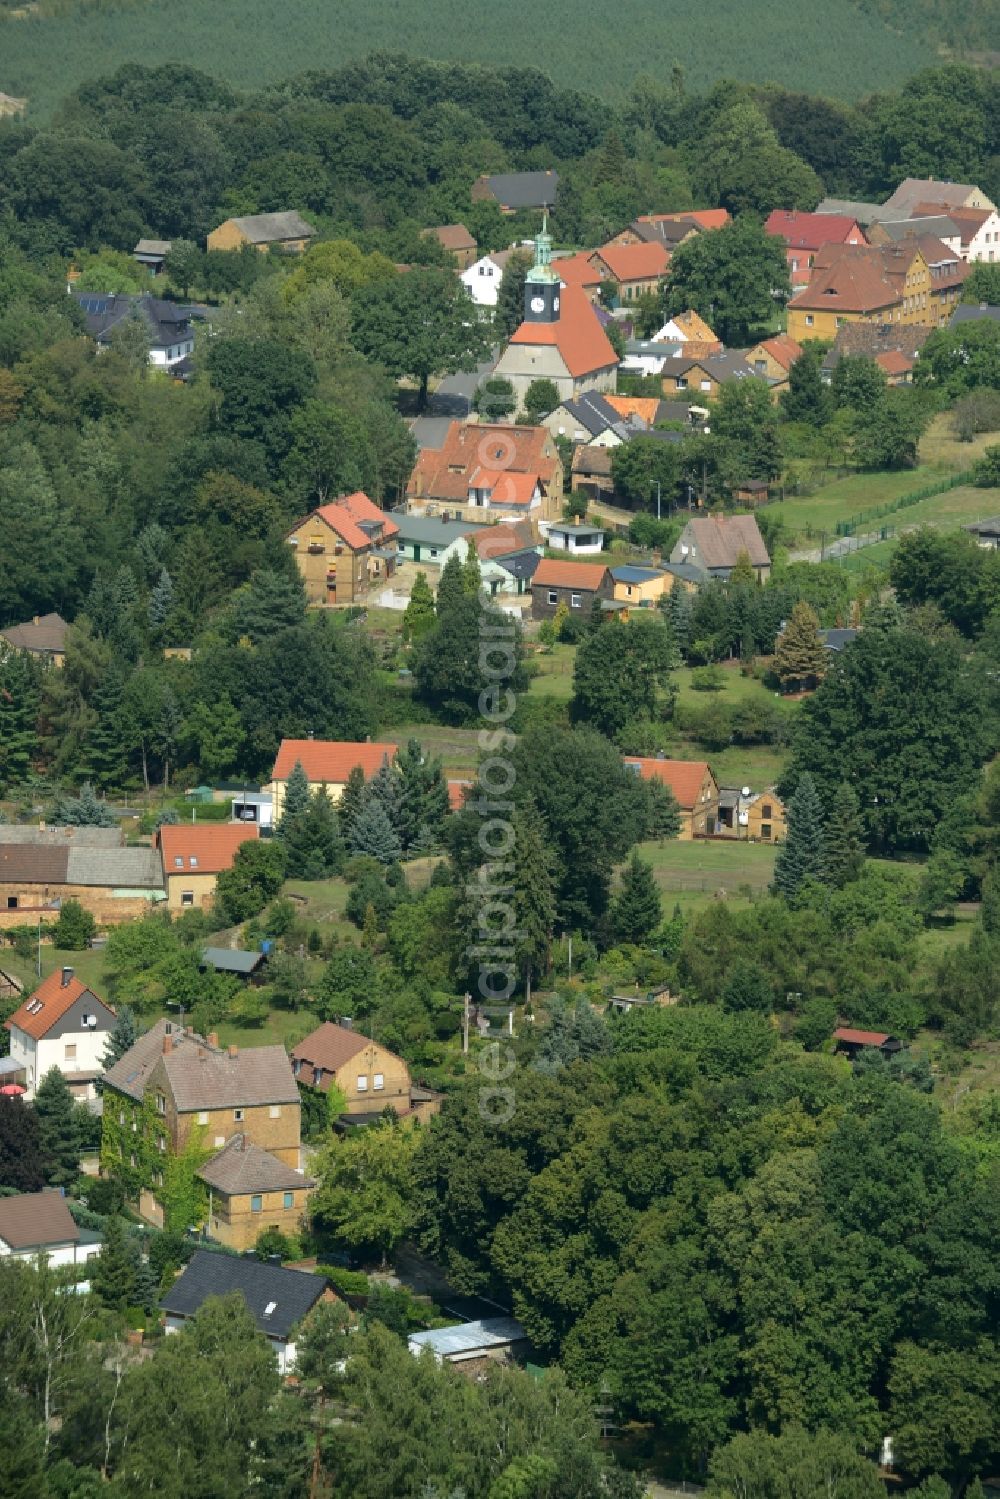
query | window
(809,319)
(574,601)
(706,385)
(161,1104)
(161,1144)
(765,831)
(274,1112)
(187,897)
(317,1076)
(121,1116)
(132,1161)
(553,596)
(256,1203)
(203,1117)
(362,1084)
(378,1081)
(681,382)
(289,1199)
(220,1140)
(433,552)
(70,1051)
(178,861)
(194,861)
(765,812)
(12,903)
(628,590)
(238,1115)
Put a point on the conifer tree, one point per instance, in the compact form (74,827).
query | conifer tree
(472,577)
(800,657)
(22,1159)
(20,691)
(161,600)
(419,615)
(372,833)
(989,911)
(844,838)
(121,1038)
(113,1271)
(385,787)
(314,848)
(534,892)
(802,856)
(679,611)
(423,795)
(106,750)
(451,585)
(58,1130)
(636,909)
(296,798)
(85,810)
(743,572)
(352,800)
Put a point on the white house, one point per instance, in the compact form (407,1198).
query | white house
(482,278)
(40,1223)
(61,1024)
(575,537)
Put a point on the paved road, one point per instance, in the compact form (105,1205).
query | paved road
(452,401)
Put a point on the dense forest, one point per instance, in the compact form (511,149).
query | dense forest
(836,50)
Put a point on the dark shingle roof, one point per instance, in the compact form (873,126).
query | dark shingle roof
(519,564)
(166,322)
(971,313)
(290,1294)
(524,189)
(272,228)
(36,1219)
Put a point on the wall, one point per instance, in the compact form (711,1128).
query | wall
(333,789)
(200,886)
(280,1135)
(59,1254)
(315,566)
(374,1059)
(233,1222)
(541,608)
(106,905)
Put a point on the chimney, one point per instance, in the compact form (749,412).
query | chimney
(234,1051)
(213,1038)
(67,974)
(35,620)
(168,1045)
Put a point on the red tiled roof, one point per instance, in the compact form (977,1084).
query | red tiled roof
(506,488)
(858,282)
(684,777)
(444,473)
(895,362)
(329,1046)
(576,270)
(807,231)
(46,1004)
(330,761)
(500,541)
(635,262)
(861,1038)
(456,794)
(707,218)
(645,407)
(576,333)
(361,508)
(344,516)
(783,349)
(202,850)
(552,572)
(451,236)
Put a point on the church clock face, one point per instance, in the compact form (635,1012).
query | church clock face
(537,304)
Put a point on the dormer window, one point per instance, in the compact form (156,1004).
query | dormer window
(178,861)
(194,861)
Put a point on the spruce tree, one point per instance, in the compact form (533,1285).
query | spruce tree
(679,610)
(313,845)
(58,1130)
(121,1038)
(451,586)
(296,799)
(844,837)
(22,1159)
(385,787)
(636,909)
(534,892)
(472,577)
(802,856)
(423,803)
(20,693)
(161,600)
(113,1271)
(372,833)
(989,911)
(352,800)
(85,810)
(743,572)
(800,657)
(418,616)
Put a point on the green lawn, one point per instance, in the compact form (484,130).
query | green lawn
(555,673)
(458,748)
(695,872)
(88,965)
(810,517)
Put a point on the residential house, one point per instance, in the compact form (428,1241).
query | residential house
(837,640)
(805,233)
(591,419)
(193,855)
(283,231)
(891,231)
(634,269)
(508,557)
(151,254)
(44,637)
(642,586)
(851,283)
(894,346)
(167,324)
(591,471)
(681,375)
(667,231)
(174,1087)
(715,543)
(431,540)
(750,492)
(986,532)
(61,1024)
(327,764)
(754,816)
(342,549)
(694,787)
(579,272)
(254,806)
(279,1300)
(642,412)
(974,313)
(577,537)
(9,105)
(692,332)
(865,214)
(37,1225)
(251,1191)
(482,278)
(42,867)
(514,191)
(486,471)
(851,1042)
(973,234)
(773,357)
(457,240)
(370,1077)
(913,191)
(575,584)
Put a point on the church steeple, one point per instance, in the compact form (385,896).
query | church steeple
(542,284)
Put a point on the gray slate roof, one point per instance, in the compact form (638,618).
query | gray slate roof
(272,228)
(130,1073)
(119,868)
(430,530)
(865,213)
(519,564)
(629,574)
(290,1293)
(44,635)
(232,959)
(970,313)
(835,640)
(241,1167)
(593,413)
(60,836)
(200,1076)
(36,1219)
(166,322)
(524,189)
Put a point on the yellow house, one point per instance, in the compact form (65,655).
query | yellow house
(249,1191)
(327,764)
(863,283)
(193,858)
(639,587)
(342,548)
(370,1077)
(286,231)
(695,790)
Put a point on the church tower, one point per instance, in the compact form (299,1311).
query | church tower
(541,284)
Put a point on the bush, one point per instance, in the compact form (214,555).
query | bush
(75,927)
(709,678)
(348,1283)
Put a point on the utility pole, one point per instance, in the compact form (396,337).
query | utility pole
(466,1001)
(570,942)
(38,963)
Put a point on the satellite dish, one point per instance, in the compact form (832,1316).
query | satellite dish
(685,549)
(745,791)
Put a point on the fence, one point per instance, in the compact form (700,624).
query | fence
(865,517)
(753,887)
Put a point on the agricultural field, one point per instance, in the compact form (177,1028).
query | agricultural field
(252,43)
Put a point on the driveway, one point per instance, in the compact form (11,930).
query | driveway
(450,402)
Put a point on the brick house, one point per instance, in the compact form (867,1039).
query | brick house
(805,233)
(457,240)
(194,856)
(285,231)
(174,1088)
(371,1077)
(41,867)
(489,471)
(62,1024)
(249,1191)
(635,269)
(327,764)
(695,790)
(44,637)
(575,584)
(342,548)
